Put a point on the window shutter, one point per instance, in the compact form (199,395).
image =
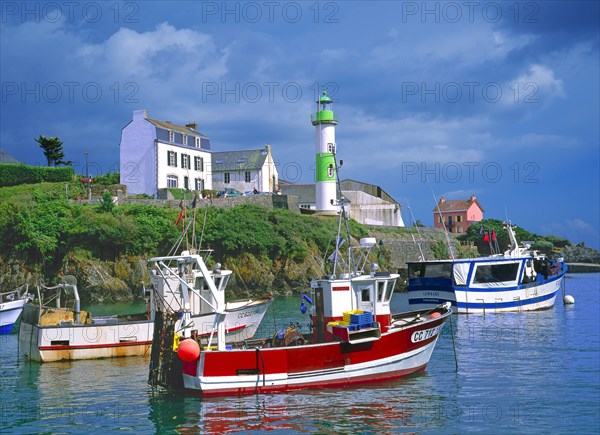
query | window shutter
(175,159)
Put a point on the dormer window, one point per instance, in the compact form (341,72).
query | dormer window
(185,139)
(197,142)
(171,136)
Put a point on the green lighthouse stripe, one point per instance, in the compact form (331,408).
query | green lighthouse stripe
(325,167)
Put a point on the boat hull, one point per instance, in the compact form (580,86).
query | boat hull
(526,297)
(398,352)
(105,339)
(9,313)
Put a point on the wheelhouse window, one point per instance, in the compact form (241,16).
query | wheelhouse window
(172,181)
(430,270)
(381,291)
(366,295)
(486,273)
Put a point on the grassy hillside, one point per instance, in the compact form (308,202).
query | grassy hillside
(46,236)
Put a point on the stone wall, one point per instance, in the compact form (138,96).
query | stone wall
(268,201)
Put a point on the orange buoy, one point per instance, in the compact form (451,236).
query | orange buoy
(188,350)
(435,315)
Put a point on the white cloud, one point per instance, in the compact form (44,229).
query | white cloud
(413,140)
(164,53)
(537,85)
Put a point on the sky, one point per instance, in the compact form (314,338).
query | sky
(496,99)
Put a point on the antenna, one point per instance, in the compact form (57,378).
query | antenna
(443,225)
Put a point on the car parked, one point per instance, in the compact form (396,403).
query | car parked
(228,192)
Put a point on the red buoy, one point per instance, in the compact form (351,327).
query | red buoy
(435,315)
(188,350)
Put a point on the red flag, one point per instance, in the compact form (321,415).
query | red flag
(181,216)
(493,235)
(486,237)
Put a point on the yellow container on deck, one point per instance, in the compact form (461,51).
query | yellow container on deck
(347,315)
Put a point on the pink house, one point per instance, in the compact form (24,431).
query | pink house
(457,215)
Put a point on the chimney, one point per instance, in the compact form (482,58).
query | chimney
(192,125)
(442,200)
(473,198)
(140,114)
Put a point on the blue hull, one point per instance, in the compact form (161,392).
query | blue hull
(5,329)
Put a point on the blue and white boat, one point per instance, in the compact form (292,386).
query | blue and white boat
(517,280)
(11,305)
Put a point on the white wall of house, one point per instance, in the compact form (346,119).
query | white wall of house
(268,176)
(137,155)
(264,179)
(237,180)
(164,171)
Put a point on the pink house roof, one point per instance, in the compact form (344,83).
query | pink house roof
(456,205)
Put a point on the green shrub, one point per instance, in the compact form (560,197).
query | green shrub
(15,174)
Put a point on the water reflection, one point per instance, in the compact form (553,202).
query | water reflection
(395,406)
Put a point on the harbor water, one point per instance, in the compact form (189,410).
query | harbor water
(535,372)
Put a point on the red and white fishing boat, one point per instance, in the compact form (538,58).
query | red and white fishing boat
(354,339)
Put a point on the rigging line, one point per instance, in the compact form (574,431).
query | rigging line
(203,226)
(343,215)
(418,232)
(443,225)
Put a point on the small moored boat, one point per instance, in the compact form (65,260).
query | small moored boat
(517,280)
(58,333)
(11,305)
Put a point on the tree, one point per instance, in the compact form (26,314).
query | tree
(53,150)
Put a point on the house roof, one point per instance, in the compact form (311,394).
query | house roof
(238,160)
(456,205)
(371,189)
(7,158)
(178,128)
(306,193)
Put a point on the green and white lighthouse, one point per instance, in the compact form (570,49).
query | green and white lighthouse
(325,173)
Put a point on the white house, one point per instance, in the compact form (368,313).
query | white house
(245,170)
(159,154)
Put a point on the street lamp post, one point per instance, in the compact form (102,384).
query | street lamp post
(87,177)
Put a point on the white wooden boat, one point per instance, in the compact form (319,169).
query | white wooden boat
(58,333)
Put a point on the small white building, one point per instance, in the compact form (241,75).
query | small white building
(369,204)
(245,170)
(159,154)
